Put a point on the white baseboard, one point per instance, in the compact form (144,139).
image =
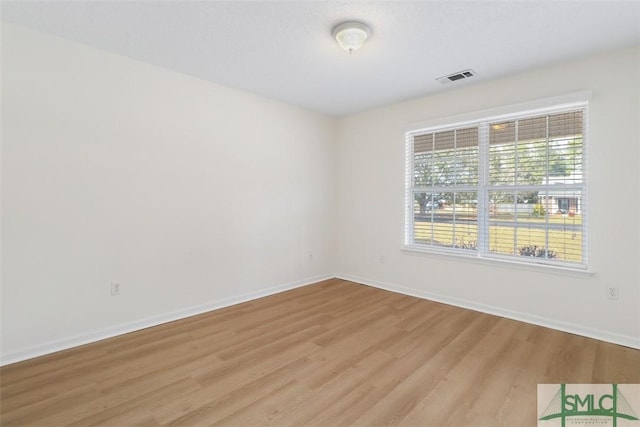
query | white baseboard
(77,340)
(573,328)
(74,341)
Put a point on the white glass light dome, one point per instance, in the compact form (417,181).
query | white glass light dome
(351,35)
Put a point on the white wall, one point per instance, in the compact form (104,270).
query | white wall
(189,194)
(370,203)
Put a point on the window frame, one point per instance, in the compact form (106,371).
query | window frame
(482,120)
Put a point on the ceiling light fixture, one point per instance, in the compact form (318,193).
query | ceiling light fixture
(351,35)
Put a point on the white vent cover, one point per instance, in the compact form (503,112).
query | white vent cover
(460,75)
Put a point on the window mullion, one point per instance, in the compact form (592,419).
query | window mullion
(546,180)
(483,188)
(516,182)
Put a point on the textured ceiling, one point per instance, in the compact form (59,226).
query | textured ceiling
(284,50)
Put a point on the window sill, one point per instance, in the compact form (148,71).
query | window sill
(498,262)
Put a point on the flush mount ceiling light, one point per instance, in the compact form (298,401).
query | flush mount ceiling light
(351,35)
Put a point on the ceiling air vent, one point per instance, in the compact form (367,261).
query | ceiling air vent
(460,75)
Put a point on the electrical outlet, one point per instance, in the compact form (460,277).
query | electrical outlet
(115,288)
(612,292)
(310,256)
(382,260)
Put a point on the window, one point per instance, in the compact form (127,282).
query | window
(508,187)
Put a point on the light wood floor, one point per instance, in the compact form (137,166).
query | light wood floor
(331,354)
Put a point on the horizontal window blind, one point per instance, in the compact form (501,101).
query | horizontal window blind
(504,188)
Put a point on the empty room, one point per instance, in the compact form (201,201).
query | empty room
(322,213)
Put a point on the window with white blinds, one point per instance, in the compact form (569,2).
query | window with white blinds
(510,187)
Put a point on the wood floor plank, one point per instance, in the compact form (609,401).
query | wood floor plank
(32,412)
(334,353)
(409,389)
(486,390)
(352,349)
(337,389)
(343,412)
(134,410)
(216,402)
(264,411)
